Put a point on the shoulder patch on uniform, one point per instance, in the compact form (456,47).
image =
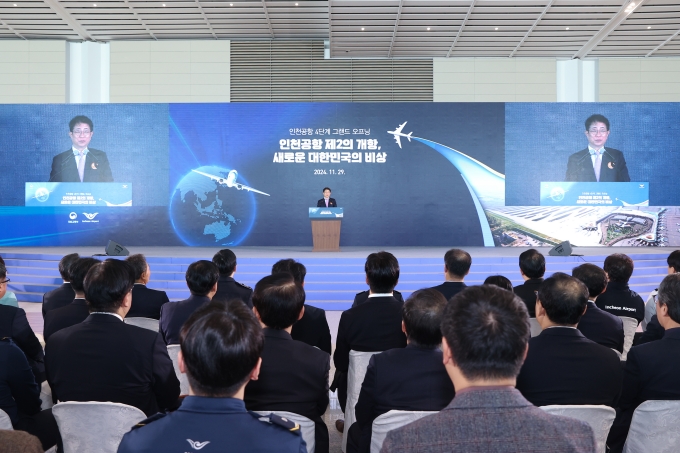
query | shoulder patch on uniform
(151,419)
(274,419)
(243,286)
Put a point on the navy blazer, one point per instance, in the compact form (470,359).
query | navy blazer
(313,329)
(612,169)
(527,292)
(19,393)
(57,298)
(146,302)
(14,324)
(602,327)
(228,288)
(175,314)
(61,318)
(450,289)
(322,203)
(65,168)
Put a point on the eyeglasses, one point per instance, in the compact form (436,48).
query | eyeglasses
(81,132)
(5,281)
(598,131)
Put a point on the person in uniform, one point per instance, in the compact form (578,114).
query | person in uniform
(221,344)
(227,287)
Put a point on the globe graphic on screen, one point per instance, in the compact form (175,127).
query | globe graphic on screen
(42,194)
(206,213)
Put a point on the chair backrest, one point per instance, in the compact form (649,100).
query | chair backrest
(358,363)
(629,327)
(392,420)
(306,426)
(45,396)
(600,418)
(94,426)
(5,421)
(654,428)
(173,350)
(146,323)
(536,328)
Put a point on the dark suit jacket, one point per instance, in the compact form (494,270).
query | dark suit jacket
(527,292)
(408,379)
(104,359)
(293,378)
(57,298)
(65,168)
(14,324)
(602,327)
(651,373)
(322,203)
(564,367)
(146,302)
(362,297)
(228,288)
(313,329)
(497,420)
(450,289)
(19,393)
(175,314)
(654,332)
(612,169)
(620,300)
(61,318)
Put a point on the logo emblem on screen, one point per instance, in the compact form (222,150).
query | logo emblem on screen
(90,216)
(72,216)
(42,194)
(642,186)
(557,194)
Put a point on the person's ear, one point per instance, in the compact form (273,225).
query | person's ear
(255,374)
(180,362)
(257,315)
(403,328)
(302,313)
(447,355)
(540,311)
(585,309)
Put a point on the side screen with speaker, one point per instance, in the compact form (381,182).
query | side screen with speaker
(563,249)
(115,249)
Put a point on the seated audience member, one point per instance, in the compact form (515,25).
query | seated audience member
(673,261)
(227,287)
(220,353)
(9,298)
(652,371)
(486,330)
(146,302)
(408,379)
(14,324)
(104,359)
(595,324)
(532,269)
(653,332)
(500,281)
(64,294)
(563,366)
(619,299)
(201,278)
(372,326)
(77,311)
(312,328)
(360,298)
(456,266)
(293,376)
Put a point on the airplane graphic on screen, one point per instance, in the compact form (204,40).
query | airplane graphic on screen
(230,181)
(398,134)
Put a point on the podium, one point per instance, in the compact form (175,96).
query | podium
(326,228)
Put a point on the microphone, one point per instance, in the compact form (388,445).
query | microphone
(62,168)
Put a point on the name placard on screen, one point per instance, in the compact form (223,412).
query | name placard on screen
(78,194)
(594,194)
(326,213)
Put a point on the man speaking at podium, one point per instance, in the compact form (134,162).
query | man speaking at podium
(326,201)
(80,164)
(597,163)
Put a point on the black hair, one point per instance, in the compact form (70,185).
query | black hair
(619,267)
(138,263)
(457,262)
(382,272)
(106,285)
(278,299)
(65,264)
(325,189)
(297,270)
(500,281)
(487,330)
(596,118)
(673,260)
(79,270)
(532,263)
(221,343)
(201,276)
(225,260)
(594,277)
(669,295)
(422,314)
(3,271)
(564,298)
(80,119)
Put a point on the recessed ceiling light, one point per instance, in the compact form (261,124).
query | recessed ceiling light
(567,28)
(647,27)
(94,4)
(163,4)
(296,4)
(496,28)
(362,28)
(428,28)
(231,4)
(15,4)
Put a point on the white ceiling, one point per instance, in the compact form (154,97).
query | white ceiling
(370,28)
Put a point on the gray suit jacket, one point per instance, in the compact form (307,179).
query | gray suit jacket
(494,420)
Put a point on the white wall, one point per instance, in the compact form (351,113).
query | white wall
(32,72)
(640,80)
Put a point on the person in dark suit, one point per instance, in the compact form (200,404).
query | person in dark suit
(673,261)
(80,163)
(104,359)
(652,371)
(653,332)
(456,266)
(78,310)
(500,281)
(532,269)
(485,334)
(595,324)
(201,277)
(293,376)
(146,302)
(326,201)
(372,326)
(312,328)
(221,344)
(64,294)
(408,379)
(619,299)
(227,287)
(360,298)
(597,163)
(562,366)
